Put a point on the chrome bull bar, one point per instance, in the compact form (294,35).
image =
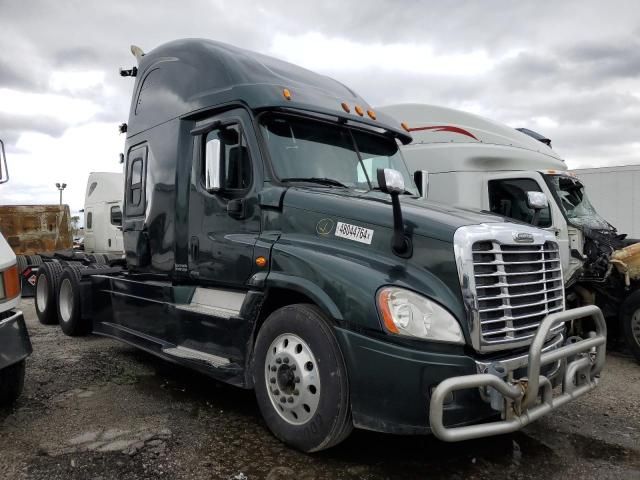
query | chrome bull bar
(531,397)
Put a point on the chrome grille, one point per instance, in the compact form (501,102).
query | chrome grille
(516,286)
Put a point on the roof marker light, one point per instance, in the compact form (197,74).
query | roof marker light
(286,93)
(405,126)
(371,114)
(359,110)
(345,107)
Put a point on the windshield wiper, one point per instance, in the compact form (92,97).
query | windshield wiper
(321,181)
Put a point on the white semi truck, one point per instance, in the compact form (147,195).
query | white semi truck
(103,213)
(469,161)
(15,345)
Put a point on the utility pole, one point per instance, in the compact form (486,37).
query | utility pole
(61,187)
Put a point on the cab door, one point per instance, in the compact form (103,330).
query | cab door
(224,222)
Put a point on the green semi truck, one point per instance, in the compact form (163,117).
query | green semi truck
(275,240)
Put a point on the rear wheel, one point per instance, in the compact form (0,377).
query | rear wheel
(300,379)
(11,383)
(46,292)
(69,307)
(630,317)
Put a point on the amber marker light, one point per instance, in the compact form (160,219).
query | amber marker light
(405,126)
(383,306)
(286,93)
(359,110)
(261,262)
(11,283)
(345,107)
(371,114)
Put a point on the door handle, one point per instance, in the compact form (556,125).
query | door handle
(194,248)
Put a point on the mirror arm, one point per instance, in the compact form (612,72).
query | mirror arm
(536,217)
(400,242)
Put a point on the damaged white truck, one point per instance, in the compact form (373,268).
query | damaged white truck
(473,162)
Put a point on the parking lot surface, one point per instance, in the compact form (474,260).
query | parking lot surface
(93,408)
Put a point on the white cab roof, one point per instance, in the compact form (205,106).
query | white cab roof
(462,141)
(104,187)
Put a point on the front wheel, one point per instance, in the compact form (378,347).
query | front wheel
(300,379)
(630,317)
(11,383)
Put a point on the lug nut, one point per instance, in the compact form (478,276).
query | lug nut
(276,392)
(297,379)
(273,380)
(296,392)
(278,360)
(290,399)
(286,360)
(273,369)
(293,366)
(283,400)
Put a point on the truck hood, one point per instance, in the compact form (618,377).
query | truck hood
(421,217)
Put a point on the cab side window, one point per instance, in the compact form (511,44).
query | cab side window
(136,179)
(235,162)
(508,197)
(89,220)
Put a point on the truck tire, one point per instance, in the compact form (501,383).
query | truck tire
(630,318)
(69,308)
(35,260)
(300,379)
(22,263)
(11,383)
(46,292)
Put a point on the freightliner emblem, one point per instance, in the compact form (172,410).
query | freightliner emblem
(325,226)
(523,237)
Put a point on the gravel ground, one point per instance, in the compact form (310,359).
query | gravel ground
(93,408)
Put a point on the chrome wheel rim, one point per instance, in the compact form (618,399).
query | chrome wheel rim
(635,326)
(66,300)
(42,292)
(292,379)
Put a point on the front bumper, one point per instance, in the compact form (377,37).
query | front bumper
(14,338)
(523,400)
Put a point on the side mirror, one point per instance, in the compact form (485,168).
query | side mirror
(4,170)
(390,180)
(421,179)
(212,165)
(537,200)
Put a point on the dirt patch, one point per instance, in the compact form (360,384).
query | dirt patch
(95,408)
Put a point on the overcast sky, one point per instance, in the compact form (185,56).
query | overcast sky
(568,69)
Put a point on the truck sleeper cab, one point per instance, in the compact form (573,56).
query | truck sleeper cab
(274,240)
(103,213)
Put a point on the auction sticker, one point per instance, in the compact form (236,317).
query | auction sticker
(354,232)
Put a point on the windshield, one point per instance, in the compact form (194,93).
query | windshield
(302,148)
(575,203)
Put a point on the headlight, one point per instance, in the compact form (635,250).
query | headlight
(407,313)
